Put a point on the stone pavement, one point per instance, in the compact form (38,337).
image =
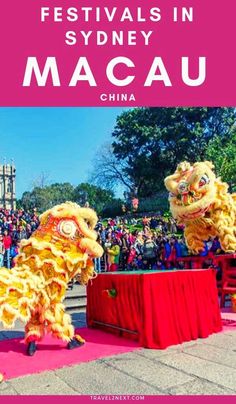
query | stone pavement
(201,367)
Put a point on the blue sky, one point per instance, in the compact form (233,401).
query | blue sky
(60,142)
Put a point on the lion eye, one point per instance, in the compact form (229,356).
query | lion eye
(204,180)
(67,228)
(183,187)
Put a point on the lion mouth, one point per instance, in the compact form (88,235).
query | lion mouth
(195,214)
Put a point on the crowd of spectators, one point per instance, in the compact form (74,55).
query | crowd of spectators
(146,243)
(15,225)
(150,243)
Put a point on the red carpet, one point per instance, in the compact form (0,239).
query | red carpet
(52,353)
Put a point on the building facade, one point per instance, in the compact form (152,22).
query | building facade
(7,186)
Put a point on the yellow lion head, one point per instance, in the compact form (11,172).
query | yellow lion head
(192,190)
(64,240)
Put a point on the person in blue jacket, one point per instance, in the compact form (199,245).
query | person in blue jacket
(204,253)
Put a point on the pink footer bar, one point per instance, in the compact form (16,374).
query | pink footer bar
(130,398)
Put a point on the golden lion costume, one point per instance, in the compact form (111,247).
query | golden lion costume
(202,203)
(62,248)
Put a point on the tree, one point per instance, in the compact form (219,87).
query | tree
(97,197)
(108,170)
(45,197)
(60,193)
(150,142)
(54,194)
(25,201)
(223,154)
(41,181)
(113,208)
(35,199)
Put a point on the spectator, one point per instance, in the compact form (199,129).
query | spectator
(138,244)
(103,234)
(125,245)
(4,224)
(183,248)
(28,230)
(107,245)
(149,252)
(113,254)
(173,228)
(22,233)
(138,262)
(177,247)
(131,257)
(14,252)
(2,251)
(209,243)
(153,223)
(167,249)
(97,261)
(14,234)
(216,247)
(160,265)
(204,253)
(171,260)
(145,222)
(7,242)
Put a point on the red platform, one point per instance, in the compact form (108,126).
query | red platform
(196,261)
(227,285)
(159,308)
(224,260)
(227,263)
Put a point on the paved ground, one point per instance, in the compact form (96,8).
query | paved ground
(203,367)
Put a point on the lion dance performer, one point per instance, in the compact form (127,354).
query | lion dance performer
(202,203)
(62,248)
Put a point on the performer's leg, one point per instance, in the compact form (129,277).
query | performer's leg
(34,331)
(62,328)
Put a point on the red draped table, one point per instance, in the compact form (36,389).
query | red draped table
(158,308)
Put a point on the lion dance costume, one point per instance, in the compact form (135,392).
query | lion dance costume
(202,203)
(62,248)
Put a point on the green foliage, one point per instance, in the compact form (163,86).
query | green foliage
(222,151)
(44,198)
(154,204)
(152,141)
(113,208)
(18,204)
(97,197)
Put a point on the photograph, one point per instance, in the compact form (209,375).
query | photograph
(117,249)
(117,201)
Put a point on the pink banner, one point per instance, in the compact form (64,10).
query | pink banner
(109,53)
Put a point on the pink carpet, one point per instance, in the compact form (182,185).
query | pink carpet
(52,353)
(228,319)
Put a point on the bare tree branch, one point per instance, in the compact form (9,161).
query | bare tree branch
(108,171)
(41,181)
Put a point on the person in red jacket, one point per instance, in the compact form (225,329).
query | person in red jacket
(7,242)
